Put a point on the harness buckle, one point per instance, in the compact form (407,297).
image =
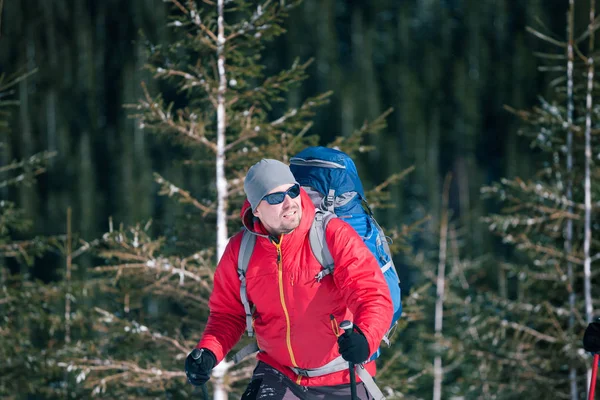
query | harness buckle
(301,372)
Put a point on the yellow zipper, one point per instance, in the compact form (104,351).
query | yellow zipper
(288,337)
(334,325)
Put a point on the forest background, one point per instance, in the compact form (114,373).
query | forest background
(465,107)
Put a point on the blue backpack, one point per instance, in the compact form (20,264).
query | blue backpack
(330,178)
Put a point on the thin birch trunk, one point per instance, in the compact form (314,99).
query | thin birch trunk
(68,294)
(220,392)
(221,124)
(68,281)
(27,195)
(441,280)
(569,227)
(587,273)
(588,163)
(1,8)
(50,101)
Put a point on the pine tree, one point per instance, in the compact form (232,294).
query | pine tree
(515,325)
(437,354)
(221,112)
(27,326)
(535,331)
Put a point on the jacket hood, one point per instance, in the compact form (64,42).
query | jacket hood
(253,224)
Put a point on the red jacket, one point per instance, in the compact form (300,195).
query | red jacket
(292,310)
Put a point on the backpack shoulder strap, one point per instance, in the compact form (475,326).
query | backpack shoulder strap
(246,249)
(318,242)
(382,239)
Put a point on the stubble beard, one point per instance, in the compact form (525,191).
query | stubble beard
(288,226)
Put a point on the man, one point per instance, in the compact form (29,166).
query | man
(591,337)
(295,316)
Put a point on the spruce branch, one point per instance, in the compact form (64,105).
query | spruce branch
(354,143)
(144,331)
(533,334)
(134,251)
(525,243)
(194,17)
(198,80)
(592,28)
(163,118)
(546,38)
(126,373)
(170,190)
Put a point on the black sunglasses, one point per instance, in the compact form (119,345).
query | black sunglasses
(278,197)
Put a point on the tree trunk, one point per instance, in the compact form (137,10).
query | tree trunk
(68,281)
(221,123)
(441,280)
(221,369)
(587,273)
(569,227)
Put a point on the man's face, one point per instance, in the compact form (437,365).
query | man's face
(283,217)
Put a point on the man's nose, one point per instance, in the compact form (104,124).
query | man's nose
(287,201)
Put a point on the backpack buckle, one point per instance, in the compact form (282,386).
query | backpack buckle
(324,272)
(330,200)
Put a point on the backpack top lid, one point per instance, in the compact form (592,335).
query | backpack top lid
(326,169)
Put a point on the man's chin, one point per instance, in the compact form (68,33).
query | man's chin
(286,230)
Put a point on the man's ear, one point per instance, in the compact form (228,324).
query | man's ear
(255,213)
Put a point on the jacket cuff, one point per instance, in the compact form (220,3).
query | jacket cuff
(215,349)
(373,346)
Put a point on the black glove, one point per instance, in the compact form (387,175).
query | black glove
(198,366)
(591,337)
(354,347)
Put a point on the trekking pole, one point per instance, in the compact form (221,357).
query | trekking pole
(347,326)
(204,391)
(594,373)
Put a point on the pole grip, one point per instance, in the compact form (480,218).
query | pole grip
(347,327)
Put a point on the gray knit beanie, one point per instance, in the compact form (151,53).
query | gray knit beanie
(265,176)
